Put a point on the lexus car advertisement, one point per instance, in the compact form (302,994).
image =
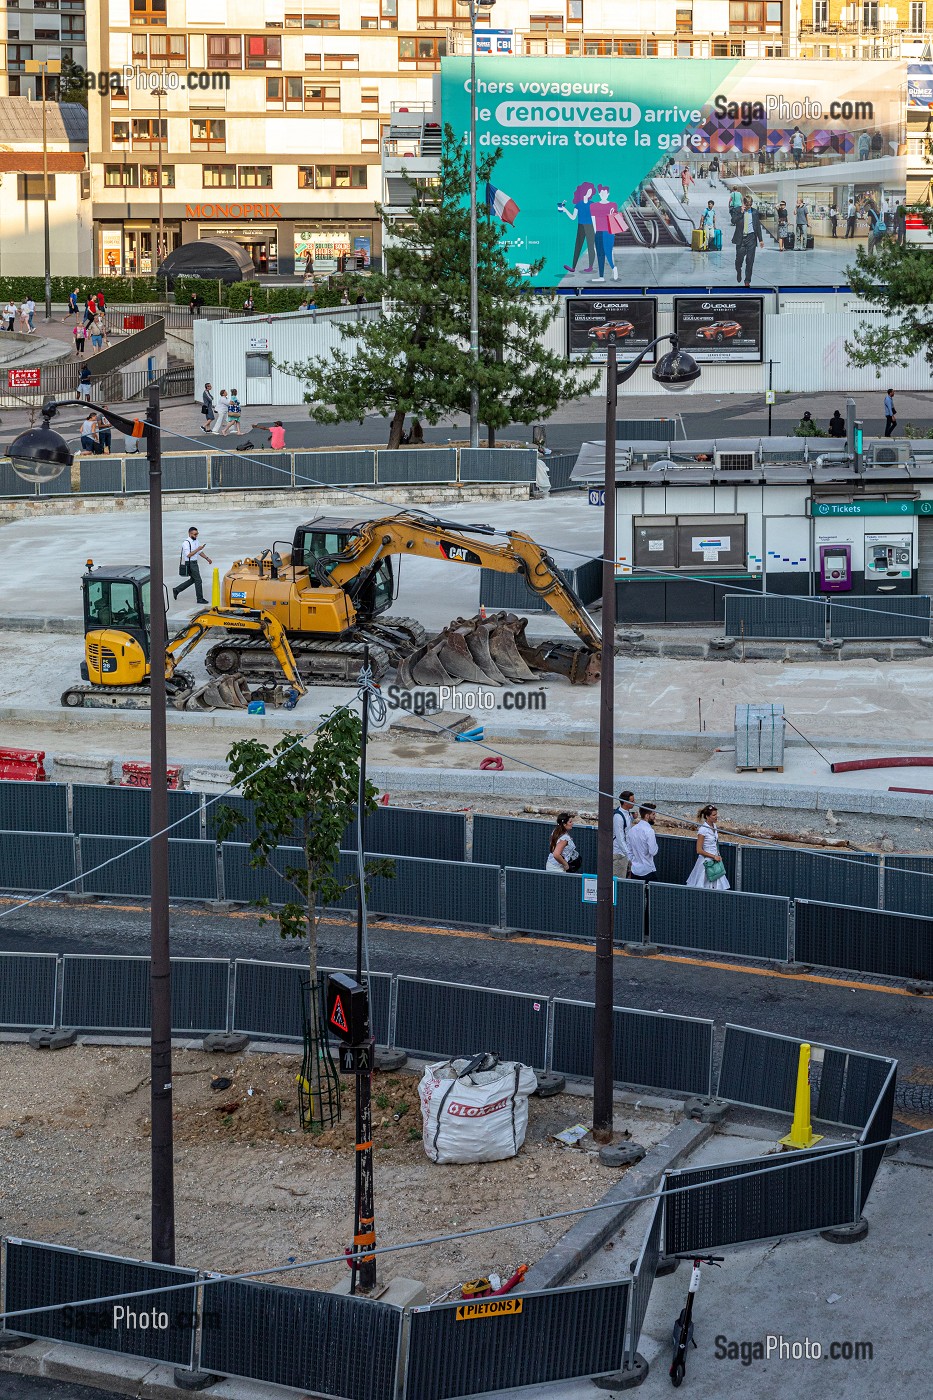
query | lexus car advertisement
(594,322)
(720,329)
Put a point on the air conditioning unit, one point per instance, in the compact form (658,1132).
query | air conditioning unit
(736,461)
(889,454)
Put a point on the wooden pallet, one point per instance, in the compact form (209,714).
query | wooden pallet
(771,768)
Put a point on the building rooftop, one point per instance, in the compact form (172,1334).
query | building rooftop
(21,123)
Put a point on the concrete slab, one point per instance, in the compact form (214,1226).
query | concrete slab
(123,1375)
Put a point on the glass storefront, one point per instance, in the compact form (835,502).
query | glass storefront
(132,248)
(262,244)
(319,246)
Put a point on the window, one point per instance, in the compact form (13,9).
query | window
(168,50)
(574,11)
(820,15)
(259,366)
(210,132)
(755,15)
(218,177)
(150,177)
(319,97)
(684,21)
(117,176)
(610,48)
(147,11)
(119,133)
(294,92)
(670,541)
(322,22)
(293,22)
(149,133)
(312,63)
(548,24)
(340,177)
(306,177)
(273,92)
(17,56)
(437,11)
(254,177)
(369,99)
(46,34)
(421,53)
(340,60)
(918,17)
(32,187)
(870,14)
(224,51)
(263,51)
(73,30)
(388,12)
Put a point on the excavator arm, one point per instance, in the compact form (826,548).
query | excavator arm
(236,620)
(409,533)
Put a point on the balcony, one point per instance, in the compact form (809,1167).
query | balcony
(411,147)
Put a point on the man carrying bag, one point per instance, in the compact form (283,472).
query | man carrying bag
(188,567)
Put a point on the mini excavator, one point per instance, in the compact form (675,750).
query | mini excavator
(331,589)
(117,651)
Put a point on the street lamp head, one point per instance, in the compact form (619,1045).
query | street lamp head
(676,370)
(40,454)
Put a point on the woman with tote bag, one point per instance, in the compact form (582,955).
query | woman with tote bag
(709,873)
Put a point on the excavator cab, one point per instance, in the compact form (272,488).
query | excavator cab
(318,544)
(116,624)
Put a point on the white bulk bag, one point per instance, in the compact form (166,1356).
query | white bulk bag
(474,1114)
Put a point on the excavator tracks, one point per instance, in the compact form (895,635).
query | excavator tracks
(128,697)
(319,663)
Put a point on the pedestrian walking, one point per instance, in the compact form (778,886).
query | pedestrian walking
(890,413)
(563,856)
(9,314)
(622,822)
(797,144)
(234,412)
(90,309)
(23,319)
(97,334)
(72,305)
(89,439)
(709,873)
(104,433)
(84,384)
(80,336)
(747,239)
(878,230)
(643,845)
(192,550)
(833,220)
(276,433)
(207,409)
(837,427)
(802,226)
(783,227)
(219,426)
(851,213)
(30,313)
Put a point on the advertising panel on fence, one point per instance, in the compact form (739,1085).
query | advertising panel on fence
(591,321)
(23,378)
(614,168)
(721,328)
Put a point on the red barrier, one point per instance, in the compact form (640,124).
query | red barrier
(23,765)
(139,775)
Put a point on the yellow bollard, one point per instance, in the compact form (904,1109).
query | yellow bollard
(215,589)
(801,1133)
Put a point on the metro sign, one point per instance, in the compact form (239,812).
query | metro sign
(24,379)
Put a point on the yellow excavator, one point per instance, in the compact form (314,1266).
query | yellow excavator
(117,651)
(332,588)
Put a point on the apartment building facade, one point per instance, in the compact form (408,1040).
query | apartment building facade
(35,30)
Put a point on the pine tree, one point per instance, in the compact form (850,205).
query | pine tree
(899,279)
(416,357)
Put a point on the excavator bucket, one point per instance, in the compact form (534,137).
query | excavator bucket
(455,656)
(504,647)
(423,667)
(477,639)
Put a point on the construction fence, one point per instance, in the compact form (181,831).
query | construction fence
(854,618)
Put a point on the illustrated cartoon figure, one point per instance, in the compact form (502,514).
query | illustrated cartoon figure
(582,216)
(607,221)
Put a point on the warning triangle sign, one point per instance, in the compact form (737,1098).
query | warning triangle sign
(337,1016)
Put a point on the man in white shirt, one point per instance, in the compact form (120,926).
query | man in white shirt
(643,845)
(9,315)
(191,551)
(622,821)
(30,309)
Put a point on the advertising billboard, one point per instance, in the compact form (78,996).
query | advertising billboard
(591,321)
(920,86)
(721,329)
(609,165)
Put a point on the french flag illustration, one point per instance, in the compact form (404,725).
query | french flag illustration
(501,205)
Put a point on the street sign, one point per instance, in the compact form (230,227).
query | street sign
(490,1307)
(770,396)
(839,508)
(134,321)
(597,496)
(24,378)
(347,1008)
(356,1059)
(588,892)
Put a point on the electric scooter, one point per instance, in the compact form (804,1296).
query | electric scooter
(683,1327)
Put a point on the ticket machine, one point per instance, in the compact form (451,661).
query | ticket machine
(888,561)
(835,568)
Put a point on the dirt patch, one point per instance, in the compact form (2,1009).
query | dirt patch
(253,1190)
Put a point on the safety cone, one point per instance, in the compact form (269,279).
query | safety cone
(482,612)
(215,589)
(801,1133)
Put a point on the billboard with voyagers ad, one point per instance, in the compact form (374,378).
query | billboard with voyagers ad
(684,172)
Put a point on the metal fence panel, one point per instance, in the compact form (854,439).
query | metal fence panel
(539,902)
(101,476)
(270,999)
(908,884)
(33,806)
(849,1086)
(559,1333)
(792,619)
(401,831)
(498,463)
(850,879)
(877,1130)
(646,429)
(454,892)
(650,1048)
(192,867)
(232,472)
(335,468)
(743,925)
(112,994)
(246,831)
(27,990)
(124,811)
(180,472)
(677,855)
(447,1019)
(643,1281)
(246,885)
(523,843)
(865,940)
(758,1069)
(36,860)
(559,467)
(416,464)
(298,1337)
(904,615)
(40,1274)
(57,486)
(806,1192)
(10,483)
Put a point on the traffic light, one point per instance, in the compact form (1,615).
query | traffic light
(347,1009)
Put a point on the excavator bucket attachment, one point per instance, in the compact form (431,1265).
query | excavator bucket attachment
(504,648)
(455,655)
(423,667)
(477,640)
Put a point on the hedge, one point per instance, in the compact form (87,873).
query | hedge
(116,289)
(266,298)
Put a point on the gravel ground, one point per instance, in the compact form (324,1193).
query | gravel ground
(252,1190)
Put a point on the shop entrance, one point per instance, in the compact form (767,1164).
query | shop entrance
(262,244)
(143,253)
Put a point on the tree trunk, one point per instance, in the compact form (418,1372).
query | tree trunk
(396,427)
(490,436)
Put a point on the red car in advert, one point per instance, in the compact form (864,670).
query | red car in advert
(617,328)
(719,331)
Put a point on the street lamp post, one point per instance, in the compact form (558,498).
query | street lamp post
(675,370)
(45,66)
(159,93)
(40,454)
(474,235)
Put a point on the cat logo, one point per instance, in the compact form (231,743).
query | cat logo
(458,553)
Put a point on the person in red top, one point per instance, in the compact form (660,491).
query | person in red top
(101,304)
(90,309)
(276,433)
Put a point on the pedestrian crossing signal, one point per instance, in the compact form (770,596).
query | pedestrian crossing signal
(347,1009)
